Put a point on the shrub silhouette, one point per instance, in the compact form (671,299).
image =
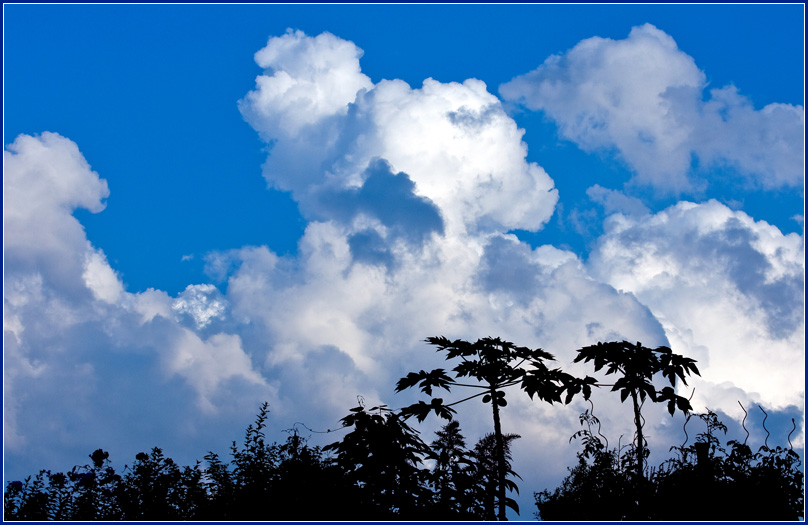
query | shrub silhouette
(376,475)
(703,482)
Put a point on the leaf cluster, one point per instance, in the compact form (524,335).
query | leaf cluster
(495,365)
(637,365)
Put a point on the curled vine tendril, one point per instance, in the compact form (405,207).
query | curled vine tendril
(790,446)
(766,442)
(592,405)
(684,429)
(642,423)
(743,423)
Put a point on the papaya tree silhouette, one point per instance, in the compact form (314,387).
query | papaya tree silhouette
(496,365)
(637,365)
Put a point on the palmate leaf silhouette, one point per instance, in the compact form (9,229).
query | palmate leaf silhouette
(637,365)
(495,365)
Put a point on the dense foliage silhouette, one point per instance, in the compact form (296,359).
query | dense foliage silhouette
(376,473)
(381,469)
(702,482)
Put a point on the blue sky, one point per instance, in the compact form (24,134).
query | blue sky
(156,86)
(657,192)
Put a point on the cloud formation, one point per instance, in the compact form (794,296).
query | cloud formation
(201,302)
(462,176)
(69,324)
(454,141)
(728,290)
(643,98)
(614,201)
(409,196)
(389,209)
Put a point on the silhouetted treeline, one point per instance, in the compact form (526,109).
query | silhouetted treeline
(376,472)
(382,470)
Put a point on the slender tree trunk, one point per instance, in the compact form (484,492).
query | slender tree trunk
(500,444)
(640,440)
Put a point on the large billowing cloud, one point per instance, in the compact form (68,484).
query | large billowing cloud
(728,290)
(643,97)
(454,141)
(390,259)
(71,332)
(356,291)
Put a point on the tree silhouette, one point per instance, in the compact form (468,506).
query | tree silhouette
(380,458)
(637,366)
(94,485)
(465,480)
(452,476)
(254,468)
(496,365)
(303,472)
(598,488)
(87,492)
(486,470)
(153,488)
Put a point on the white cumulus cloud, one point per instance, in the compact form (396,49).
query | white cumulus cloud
(643,97)
(409,195)
(306,80)
(70,326)
(728,290)
(202,302)
(453,141)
